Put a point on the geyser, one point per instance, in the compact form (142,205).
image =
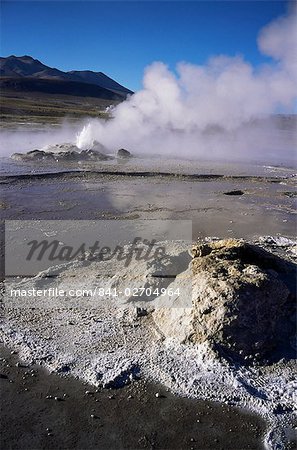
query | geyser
(215,110)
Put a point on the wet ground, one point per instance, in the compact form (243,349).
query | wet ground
(131,417)
(236,201)
(138,189)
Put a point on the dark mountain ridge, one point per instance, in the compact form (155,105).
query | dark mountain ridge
(25,72)
(58,87)
(100,79)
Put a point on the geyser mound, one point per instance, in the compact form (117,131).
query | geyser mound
(67,152)
(242,304)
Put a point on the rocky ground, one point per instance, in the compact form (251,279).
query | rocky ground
(111,344)
(204,352)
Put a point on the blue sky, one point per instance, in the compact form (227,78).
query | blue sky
(121,38)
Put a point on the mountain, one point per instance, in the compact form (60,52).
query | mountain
(100,79)
(24,72)
(57,86)
(25,66)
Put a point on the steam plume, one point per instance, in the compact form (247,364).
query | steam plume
(184,113)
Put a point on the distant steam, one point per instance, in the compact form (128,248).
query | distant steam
(222,110)
(209,110)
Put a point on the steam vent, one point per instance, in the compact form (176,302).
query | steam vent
(243,302)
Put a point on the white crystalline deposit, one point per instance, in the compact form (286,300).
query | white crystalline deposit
(201,350)
(290,245)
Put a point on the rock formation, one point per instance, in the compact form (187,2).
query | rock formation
(62,152)
(242,301)
(122,153)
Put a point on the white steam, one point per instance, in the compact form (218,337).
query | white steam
(204,110)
